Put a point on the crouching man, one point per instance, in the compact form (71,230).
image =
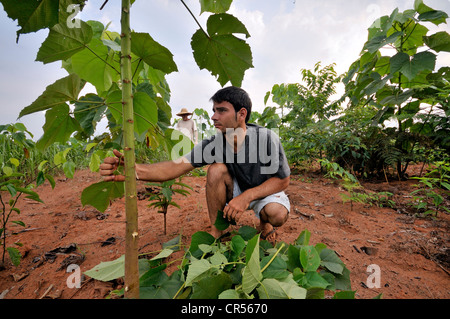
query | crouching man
(248,167)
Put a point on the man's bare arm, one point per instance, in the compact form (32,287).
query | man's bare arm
(157,172)
(162,171)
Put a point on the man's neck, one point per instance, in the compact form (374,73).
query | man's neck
(236,137)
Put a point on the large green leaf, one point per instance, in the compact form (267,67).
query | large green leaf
(166,288)
(434,16)
(274,289)
(62,42)
(145,112)
(32,15)
(438,42)
(220,52)
(96,65)
(152,53)
(108,270)
(197,239)
(398,61)
(196,269)
(252,275)
(331,261)
(420,61)
(217,6)
(100,194)
(144,108)
(378,42)
(413,39)
(277,268)
(89,111)
(58,127)
(221,24)
(211,287)
(63,90)
(309,258)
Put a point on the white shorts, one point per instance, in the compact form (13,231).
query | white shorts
(258,205)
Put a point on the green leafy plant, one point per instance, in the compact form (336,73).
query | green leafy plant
(401,82)
(162,199)
(348,181)
(243,267)
(429,198)
(15,183)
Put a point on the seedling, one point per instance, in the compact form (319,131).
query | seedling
(163,198)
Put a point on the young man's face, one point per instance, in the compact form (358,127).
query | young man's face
(226,117)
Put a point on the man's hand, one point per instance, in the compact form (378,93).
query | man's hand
(236,207)
(110,165)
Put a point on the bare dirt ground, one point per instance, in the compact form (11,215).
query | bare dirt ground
(412,253)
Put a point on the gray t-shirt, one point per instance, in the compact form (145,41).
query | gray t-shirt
(260,157)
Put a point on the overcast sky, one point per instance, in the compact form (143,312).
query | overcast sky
(286,36)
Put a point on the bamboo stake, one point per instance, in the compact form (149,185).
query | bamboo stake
(131,234)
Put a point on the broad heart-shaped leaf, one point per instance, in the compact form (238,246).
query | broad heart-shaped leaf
(62,42)
(165,288)
(145,112)
(63,90)
(89,111)
(331,261)
(196,269)
(97,65)
(223,54)
(152,53)
(435,16)
(398,61)
(197,239)
(211,287)
(413,39)
(58,127)
(217,6)
(219,24)
(32,15)
(144,108)
(274,289)
(438,42)
(252,275)
(309,258)
(420,61)
(110,270)
(100,194)
(376,43)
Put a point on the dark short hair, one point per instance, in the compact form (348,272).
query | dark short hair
(236,97)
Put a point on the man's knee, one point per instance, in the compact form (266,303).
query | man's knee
(275,213)
(217,172)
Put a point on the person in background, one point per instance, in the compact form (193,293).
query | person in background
(187,125)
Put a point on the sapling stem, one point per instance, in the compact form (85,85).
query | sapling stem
(131,232)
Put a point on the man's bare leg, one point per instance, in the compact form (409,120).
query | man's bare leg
(219,190)
(272,215)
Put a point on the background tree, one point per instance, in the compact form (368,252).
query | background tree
(402,83)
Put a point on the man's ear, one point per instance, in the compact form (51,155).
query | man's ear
(242,113)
